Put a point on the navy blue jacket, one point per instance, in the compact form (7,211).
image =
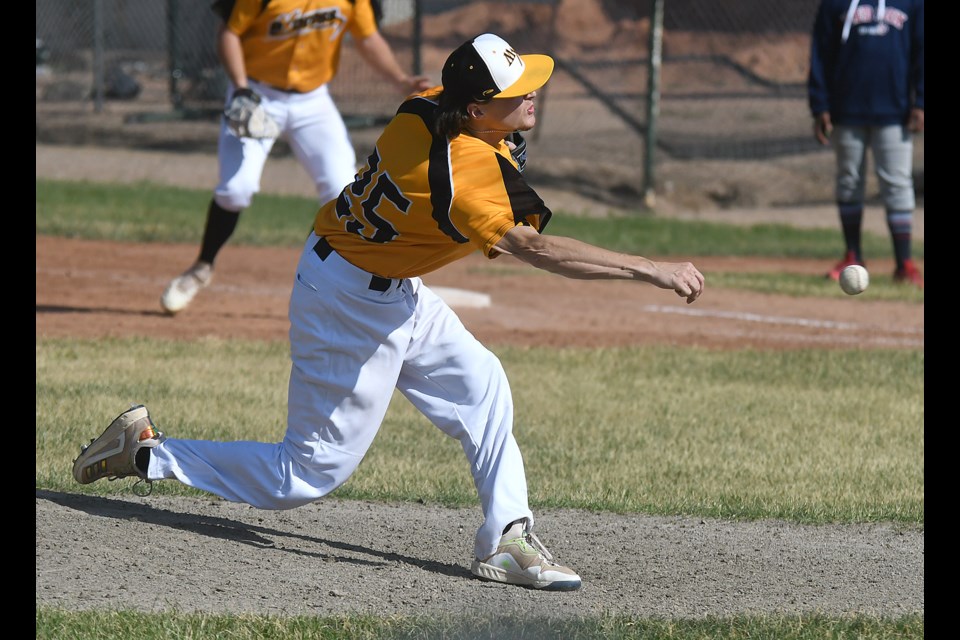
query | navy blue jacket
(876,76)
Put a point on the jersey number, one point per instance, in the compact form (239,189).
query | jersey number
(378,198)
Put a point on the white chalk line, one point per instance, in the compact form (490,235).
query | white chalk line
(756,317)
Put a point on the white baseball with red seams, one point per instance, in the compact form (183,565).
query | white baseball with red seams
(854,279)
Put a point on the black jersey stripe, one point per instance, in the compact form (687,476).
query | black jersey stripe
(440,176)
(438,168)
(524,201)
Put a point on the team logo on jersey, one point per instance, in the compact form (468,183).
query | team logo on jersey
(298,23)
(869,23)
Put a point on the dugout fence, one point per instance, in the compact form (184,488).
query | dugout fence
(731,79)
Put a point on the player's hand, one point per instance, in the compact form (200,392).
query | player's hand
(915,123)
(684,278)
(414,84)
(822,128)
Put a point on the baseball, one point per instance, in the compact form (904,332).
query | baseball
(854,279)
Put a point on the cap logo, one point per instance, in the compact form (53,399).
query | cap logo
(510,55)
(488,91)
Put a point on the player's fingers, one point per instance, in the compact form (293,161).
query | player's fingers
(694,284)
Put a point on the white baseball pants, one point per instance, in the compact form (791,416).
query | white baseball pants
(351,346)
(313,127)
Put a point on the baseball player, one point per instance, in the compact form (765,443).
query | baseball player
(279,56)
(865,90)
(440,184)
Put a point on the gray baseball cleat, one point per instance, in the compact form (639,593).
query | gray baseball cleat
(522,559)
(183,289)
(113,455)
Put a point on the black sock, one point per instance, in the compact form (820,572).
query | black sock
(142,459)
(851,219)
(900,224)
(219,228)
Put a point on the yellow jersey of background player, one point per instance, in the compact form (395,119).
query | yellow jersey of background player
(295,45)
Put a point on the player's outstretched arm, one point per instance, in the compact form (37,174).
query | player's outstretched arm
(376,51)
(573,258)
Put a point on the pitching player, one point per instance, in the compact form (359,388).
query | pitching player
(440,184)
(279,56)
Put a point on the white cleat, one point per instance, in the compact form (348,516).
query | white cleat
(522,559)
(183,289)
(113,455)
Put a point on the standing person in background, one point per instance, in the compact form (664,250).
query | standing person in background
(865,89)
(441,184)
(279,56)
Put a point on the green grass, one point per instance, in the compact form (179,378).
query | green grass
(146,212)
(53,624)
(807,436)
(153,213)
(882,286)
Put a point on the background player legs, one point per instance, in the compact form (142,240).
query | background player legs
(241,162)
(893,157)
(850,145)
(319,139)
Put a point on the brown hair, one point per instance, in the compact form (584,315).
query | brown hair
(451,115)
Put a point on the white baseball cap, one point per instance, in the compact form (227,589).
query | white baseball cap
(487,67)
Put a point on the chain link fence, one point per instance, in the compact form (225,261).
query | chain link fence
(732,76)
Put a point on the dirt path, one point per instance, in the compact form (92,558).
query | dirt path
(97,289)
(330,557)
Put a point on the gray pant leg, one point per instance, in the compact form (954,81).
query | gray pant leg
(893,157)
(849,145)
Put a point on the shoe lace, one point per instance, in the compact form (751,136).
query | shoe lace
(530,538)
(143,492)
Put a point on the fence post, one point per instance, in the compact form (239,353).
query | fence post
(417,36)
(98,55)
(653,101)
(174,52)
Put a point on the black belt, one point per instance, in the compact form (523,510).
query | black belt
(377,283)
(276,88)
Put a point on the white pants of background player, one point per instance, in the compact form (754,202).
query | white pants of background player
(351,346)
(313,127)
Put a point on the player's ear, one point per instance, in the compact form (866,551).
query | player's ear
(474,110)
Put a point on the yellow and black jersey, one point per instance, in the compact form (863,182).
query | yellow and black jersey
(294,45)
(423,201)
